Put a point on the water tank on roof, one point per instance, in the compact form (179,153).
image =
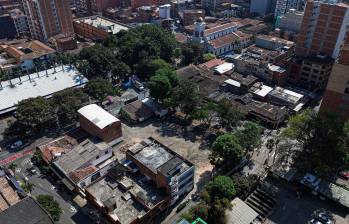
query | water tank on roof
(165,11)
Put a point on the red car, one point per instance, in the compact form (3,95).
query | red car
(344,174)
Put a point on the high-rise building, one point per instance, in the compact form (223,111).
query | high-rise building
(336,98)
(262,7)
(283,6)
(323,28)
(47,18)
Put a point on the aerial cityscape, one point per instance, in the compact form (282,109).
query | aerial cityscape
(174,111)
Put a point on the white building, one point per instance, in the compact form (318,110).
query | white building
(220,39)
(291,21)
(38,84)
(84,164)
(165,11)
(283,6)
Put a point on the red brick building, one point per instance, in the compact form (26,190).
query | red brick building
(98,122)
(336,98)
(47,18)
(323,29)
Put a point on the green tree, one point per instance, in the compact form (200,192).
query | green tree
(220,187)
(50,205)
(208,57)
(28,186)
(120,71)
(249,136)
(226,150)
(186,96)
(12,166)
(67,103)
(321,138)
(162,83)
(192,53)
(148,41)
(99,89)
(228,115)
(33,115)
(147,68)
(244,185)
(100,61)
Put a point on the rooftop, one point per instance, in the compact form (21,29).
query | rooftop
(260,89)
(51,150)
(26,211)
(276,40)
(38,84)
(157,157)
(105,24)
(286,95)
(72,163)
(25,50)
(240,213)
(124,196)
(219,28)
(211,63)
(229,38)
(97,115)
(8,195)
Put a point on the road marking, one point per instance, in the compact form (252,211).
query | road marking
(72,209)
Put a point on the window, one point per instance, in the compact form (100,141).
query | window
(106,152)
(95,176)
(97,157)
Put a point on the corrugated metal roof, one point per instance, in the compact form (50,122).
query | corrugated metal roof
(97,115)
(240,213)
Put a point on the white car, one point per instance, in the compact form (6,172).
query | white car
(16,144)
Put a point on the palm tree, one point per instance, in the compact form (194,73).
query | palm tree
(28,187)
(12,166)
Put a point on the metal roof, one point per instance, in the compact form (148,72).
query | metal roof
(97,115)
(240,213)
(38,84)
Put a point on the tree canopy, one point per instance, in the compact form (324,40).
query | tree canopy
(323,139)
(186,97)
(249,136)
(99,89)
(33,115)
(162,83)
(228,115)
(50,205)
(226,149)
(66,104)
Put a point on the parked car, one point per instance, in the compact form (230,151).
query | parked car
(311,181)
(16,144)
(324,217)
(315,221)
(344,174)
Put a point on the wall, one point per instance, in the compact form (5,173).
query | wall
(88,31)
(107,134)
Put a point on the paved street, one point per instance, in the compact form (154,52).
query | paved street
(46,185)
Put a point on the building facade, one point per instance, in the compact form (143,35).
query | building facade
(47,18)
(291,21)
(336,98)
(283,6)
(323,28)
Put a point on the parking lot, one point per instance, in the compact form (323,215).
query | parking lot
(290,209)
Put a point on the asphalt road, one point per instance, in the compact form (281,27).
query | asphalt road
(46,185)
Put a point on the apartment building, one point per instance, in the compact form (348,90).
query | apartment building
(336,98)
(47,18)
(262,7)
(283,6)
(323,28)
(167,169)
(291,21)
(84,164)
